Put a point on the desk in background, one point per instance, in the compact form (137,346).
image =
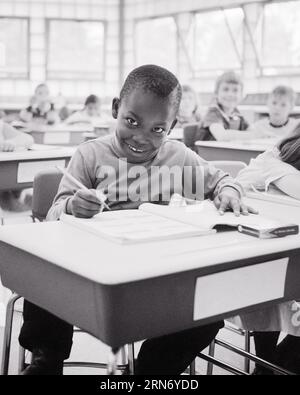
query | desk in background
(234,150)
(128,293)
(66,135)
(254,113)
(17,169)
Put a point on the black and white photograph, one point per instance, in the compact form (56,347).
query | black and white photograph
(149,190)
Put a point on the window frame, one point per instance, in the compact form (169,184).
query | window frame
(282,71)
(136,21)
(214,72)
(47,46)
(12,75)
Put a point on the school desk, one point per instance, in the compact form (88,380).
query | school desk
(234,150)
(17,169)
(254,113)
(66,135)
(122,294)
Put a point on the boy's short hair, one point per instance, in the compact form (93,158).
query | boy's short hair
(154,79)
(282,90)
(92,99)
(230,77)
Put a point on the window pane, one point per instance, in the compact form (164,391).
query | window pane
(281,46)
(215,48)
(13,48)
(76,49)
(156,43)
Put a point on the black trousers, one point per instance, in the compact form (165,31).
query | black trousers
(170,354)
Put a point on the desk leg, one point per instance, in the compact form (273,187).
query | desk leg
(113,361)
(7,334)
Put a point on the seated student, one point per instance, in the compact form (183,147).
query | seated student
(188,111)
(279,124)
(91,113)
(41,109)
(12,139)
(278,169)
(222,121)
(146,113)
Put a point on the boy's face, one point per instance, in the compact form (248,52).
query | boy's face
(229,95)
(42,94)
(93,109)
(280,108)
(143,123)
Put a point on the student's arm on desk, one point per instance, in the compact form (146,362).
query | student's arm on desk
(290,184)
(221,134)
(72,200)
(15,138)
(218,186)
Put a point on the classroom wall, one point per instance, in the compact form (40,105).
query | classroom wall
(39,11)
(139,9)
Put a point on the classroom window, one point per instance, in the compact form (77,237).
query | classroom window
(281,38)
(76,50)
(14,52)
(156,42)
(218,40)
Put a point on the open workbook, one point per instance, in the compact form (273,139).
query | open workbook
(155,222)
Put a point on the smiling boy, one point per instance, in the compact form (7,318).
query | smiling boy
(146,113)
(278,124)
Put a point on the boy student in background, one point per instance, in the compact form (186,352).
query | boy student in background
(41,108)
(277,171)
(189,107)
(91,113)
(146,113)
(278,124)
(222,121)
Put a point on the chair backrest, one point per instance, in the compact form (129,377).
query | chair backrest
(231,167)
(45,186)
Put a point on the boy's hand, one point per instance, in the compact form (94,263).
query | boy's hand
(84,204)
(229,199)
(7,146)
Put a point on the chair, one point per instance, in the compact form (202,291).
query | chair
(194,132)
(231,167)
(45,187)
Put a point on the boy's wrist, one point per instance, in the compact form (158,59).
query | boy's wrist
(68,207)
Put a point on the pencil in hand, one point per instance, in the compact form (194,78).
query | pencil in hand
(100,195)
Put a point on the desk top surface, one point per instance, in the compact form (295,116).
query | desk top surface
(109,263)
(43,152)
(259,145)
(64,128)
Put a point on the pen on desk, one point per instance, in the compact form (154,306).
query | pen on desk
(80,185)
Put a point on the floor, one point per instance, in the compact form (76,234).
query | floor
(89,349)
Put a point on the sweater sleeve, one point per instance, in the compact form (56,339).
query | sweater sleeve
(206,180)
(265,170)
(79,169)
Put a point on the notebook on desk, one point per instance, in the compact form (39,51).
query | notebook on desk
(154,222)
